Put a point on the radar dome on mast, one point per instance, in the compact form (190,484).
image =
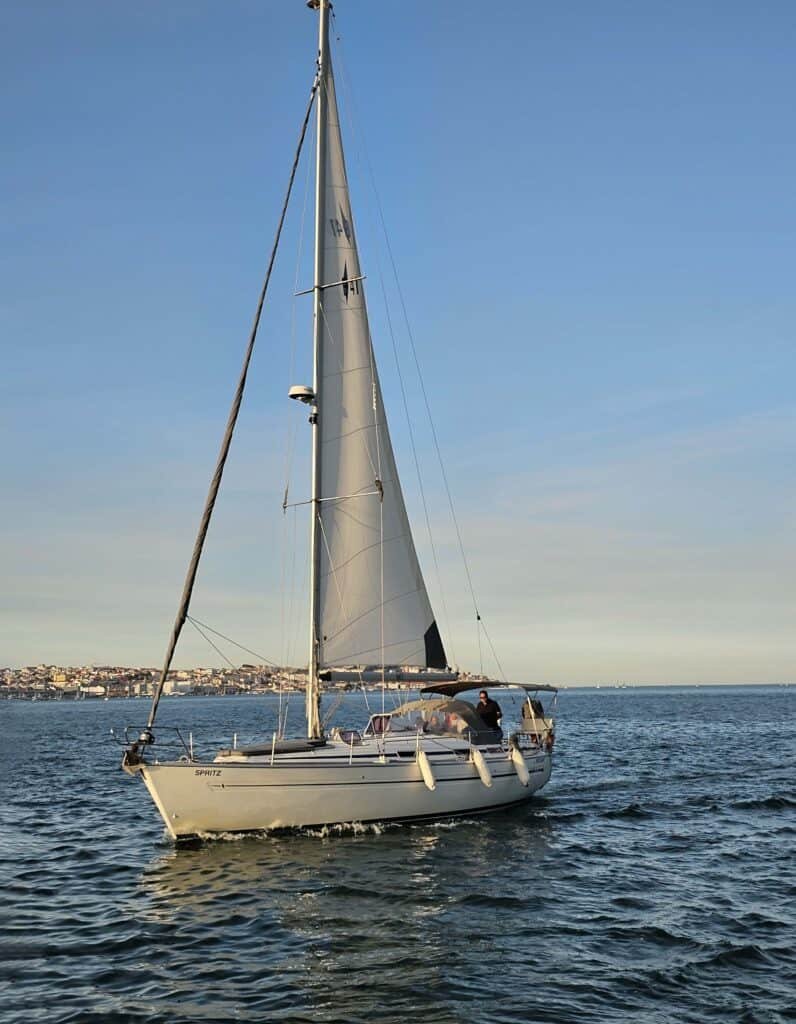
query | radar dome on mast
(302,393)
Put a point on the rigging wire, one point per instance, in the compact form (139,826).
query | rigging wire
(362,147)
(201,626)
(289,626)
(479,620)
(379,481)
(416,460)
(290,441)
(337,347)
(215,632)
(340,596)
(333,708)
(374,453)
(215,648)
(282,722)
(215,483)
(301,599)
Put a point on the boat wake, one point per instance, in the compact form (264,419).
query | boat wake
(356,828)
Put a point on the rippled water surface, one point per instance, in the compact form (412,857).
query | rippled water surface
(652,881)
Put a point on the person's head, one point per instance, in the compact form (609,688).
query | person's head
(483,696)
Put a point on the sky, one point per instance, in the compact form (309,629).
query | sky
(592,214)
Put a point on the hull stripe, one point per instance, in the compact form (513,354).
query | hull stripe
(355,782)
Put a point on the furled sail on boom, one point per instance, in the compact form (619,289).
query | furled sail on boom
(372,600)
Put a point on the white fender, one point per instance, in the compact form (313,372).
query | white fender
(482,767)
(520,767)
(425,770)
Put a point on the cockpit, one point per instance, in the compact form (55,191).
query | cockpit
(434,717)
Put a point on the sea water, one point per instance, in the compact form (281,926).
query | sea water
(653,880)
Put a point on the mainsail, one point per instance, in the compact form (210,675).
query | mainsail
(372,604)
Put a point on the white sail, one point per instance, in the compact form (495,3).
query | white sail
(373,607)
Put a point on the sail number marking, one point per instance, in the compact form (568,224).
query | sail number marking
(341,226)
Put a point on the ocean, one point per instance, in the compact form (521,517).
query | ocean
(653,880)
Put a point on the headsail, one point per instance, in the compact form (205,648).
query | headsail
(372,601)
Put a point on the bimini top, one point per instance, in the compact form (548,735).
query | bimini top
(462,685)
(438,717)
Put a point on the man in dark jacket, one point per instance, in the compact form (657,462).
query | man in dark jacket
(488,710)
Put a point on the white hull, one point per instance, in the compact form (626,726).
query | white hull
(333,786)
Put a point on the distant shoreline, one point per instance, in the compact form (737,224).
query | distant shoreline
(55,698)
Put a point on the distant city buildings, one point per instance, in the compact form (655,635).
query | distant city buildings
(53,682)
(100,682)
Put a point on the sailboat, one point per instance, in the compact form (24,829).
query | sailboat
(371,619)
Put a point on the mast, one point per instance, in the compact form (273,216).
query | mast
(313,683)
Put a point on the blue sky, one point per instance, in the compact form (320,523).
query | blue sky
(591,207)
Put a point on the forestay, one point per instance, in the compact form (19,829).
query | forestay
(367,561)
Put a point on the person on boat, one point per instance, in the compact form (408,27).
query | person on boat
(488,711)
